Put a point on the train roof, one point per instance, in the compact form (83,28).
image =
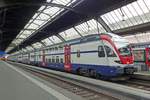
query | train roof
(88,38)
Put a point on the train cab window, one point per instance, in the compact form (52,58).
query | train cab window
(109,52)
(78,53)
(101,52)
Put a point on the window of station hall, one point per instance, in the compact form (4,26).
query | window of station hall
(132,14)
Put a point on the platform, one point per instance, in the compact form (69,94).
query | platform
(17,85)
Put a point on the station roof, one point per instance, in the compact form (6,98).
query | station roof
(14,14)
(61,20)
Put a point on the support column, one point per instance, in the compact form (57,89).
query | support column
(104,25)
(61,38)
(78,32)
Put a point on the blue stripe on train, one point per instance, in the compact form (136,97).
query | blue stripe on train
(109,71)
(103,70)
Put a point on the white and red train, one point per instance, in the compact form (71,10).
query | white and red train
(106,55)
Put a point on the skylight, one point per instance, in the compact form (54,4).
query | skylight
(90,27)
(132,14)
(42,16)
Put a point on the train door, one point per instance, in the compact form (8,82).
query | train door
(28,58)
(148,57)
(67,58)
(43,58)
(34,57)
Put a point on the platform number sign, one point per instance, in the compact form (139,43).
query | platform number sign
(67,58)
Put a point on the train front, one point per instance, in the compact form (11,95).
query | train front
(125,55)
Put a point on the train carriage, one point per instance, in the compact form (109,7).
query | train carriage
(93,55)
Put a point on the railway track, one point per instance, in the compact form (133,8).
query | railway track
(84,92)
(136,88)
(136,83)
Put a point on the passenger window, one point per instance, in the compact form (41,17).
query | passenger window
(50,49)
(78,53)
(61,60)
(60,48)
(57,59)
(53,60)
(53,49)
(109,52)
(56,48)
(101,52)
(46,59)
(50,60)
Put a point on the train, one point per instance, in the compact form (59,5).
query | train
(142,58)
(96,55)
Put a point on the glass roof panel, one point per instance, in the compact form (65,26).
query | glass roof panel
(35,15)
(131,9)
(17,41)
(33,26)
(24,50)
(38,22)
(51,10)
(143,6)
(37,45)
(47,42)
(55,39)
(63,2)
(147,2)
(29,48)
(45,14)
(22,36)
(137,8)
(41,8)
(48,0)
(89,27)
(134,13)
(69,34)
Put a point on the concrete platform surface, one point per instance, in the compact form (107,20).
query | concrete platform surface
(17,86)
